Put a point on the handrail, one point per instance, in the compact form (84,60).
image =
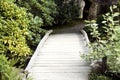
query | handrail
(86,36)
(29,66)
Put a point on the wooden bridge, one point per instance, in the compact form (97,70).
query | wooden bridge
(58,56)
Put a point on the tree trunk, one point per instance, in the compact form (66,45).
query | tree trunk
(104,64)
(99,7)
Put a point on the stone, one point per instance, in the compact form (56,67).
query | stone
(81,5)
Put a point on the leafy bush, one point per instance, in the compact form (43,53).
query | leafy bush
(20,31)
(94,76)
(14,25)
(35,32)
(106,42)
(67,10)
(44,9)
(7,72)
(51,11)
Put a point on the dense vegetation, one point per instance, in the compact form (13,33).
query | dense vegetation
(20,29)
(14,27)
(44,9)
(8,72)
(105,38)
(52,11)
(66,11)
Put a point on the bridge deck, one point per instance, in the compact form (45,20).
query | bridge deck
(59,58)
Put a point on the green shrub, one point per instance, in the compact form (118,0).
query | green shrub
(35,32)
(20,31)
(44,9)
(7,71)
(106,35)
(67,10)
(14,24)
(94,76)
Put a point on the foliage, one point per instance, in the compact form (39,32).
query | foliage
(44,9)
(106,35)
(7,72)
(13,31)
(51,11)
(19,31)
(94,76)
(35,32)
(67,10)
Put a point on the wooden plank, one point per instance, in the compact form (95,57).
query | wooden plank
(60,76)
(36,52)
(59,58)
(60,69)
